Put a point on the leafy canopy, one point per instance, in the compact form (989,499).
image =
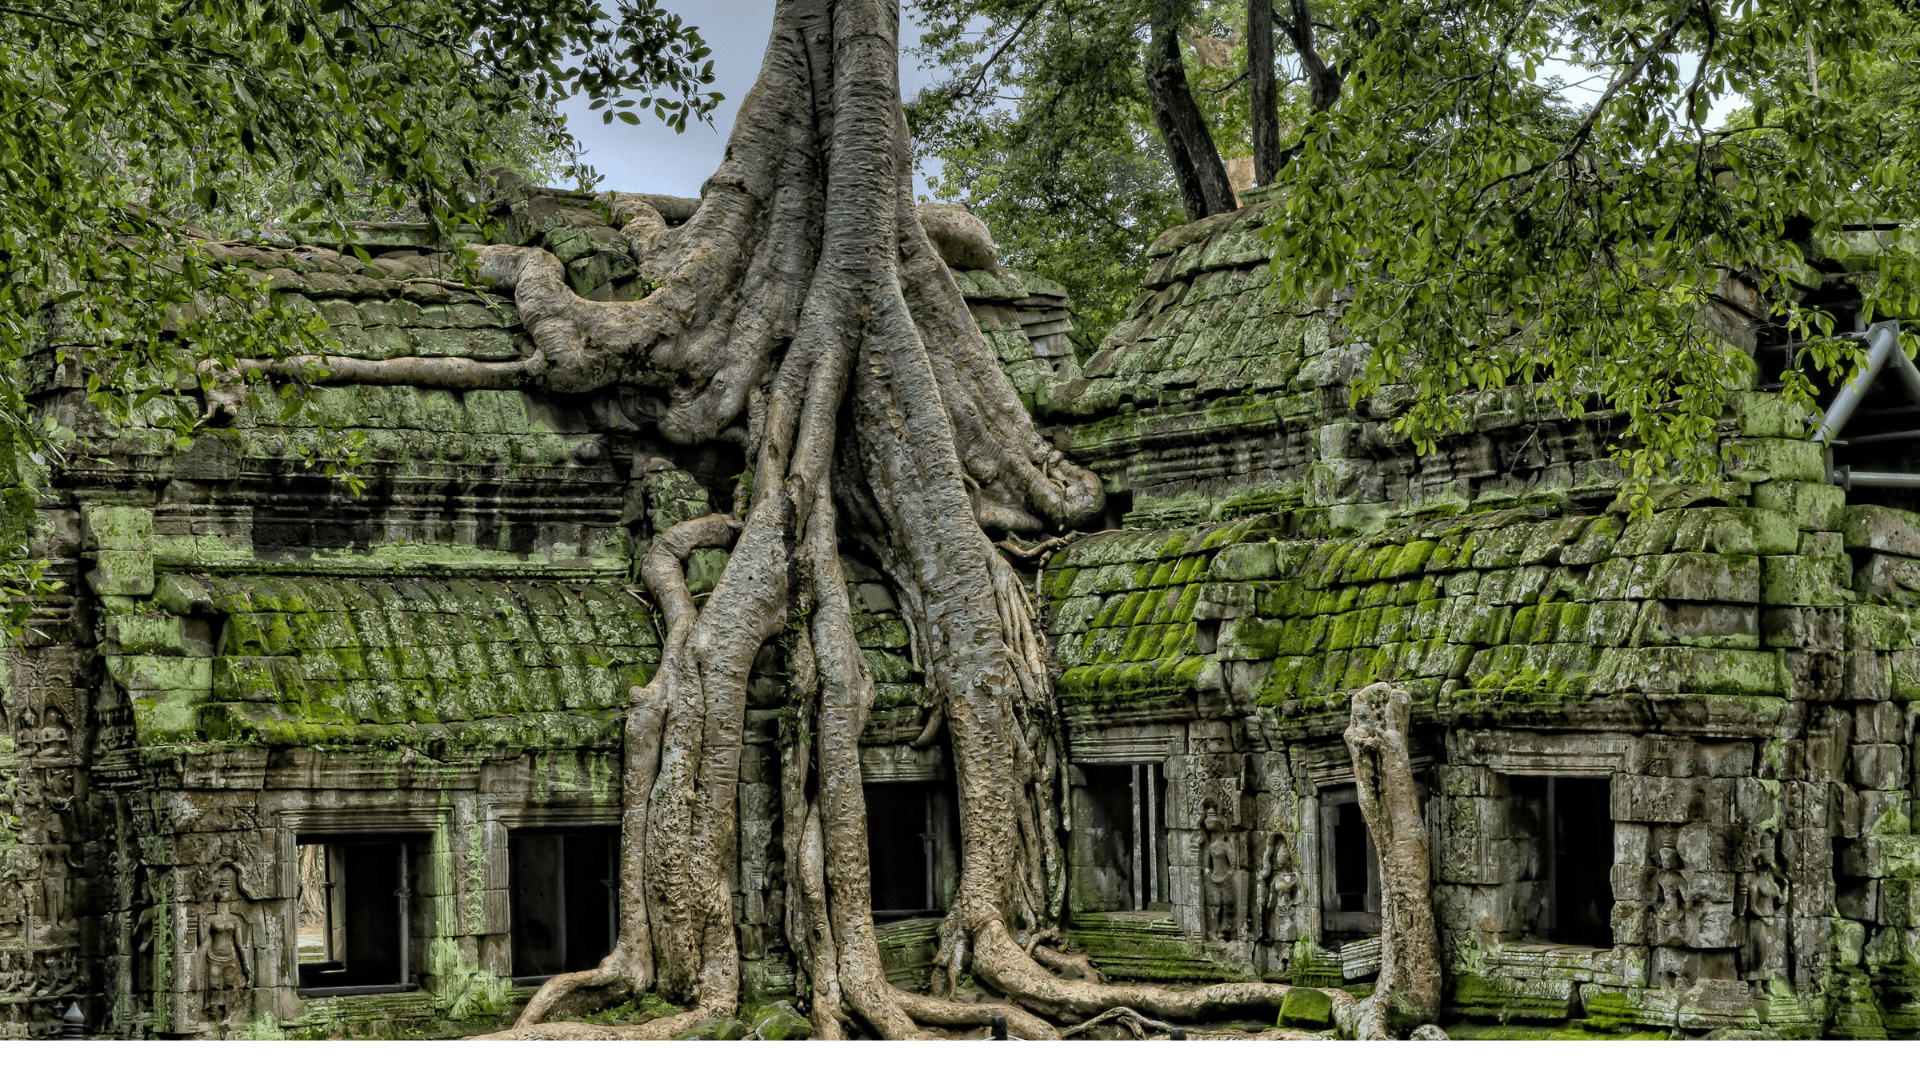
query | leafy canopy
(1582,249)
(1478,222)
(126,119)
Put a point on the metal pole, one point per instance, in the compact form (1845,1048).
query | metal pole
(1903,366)
(1883,338)
(1849,478)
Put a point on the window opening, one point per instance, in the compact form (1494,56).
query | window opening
(910,857)
(354,917)
(565,905)
(1350,867)
(1123,812)
(1570,823)
(1580,862)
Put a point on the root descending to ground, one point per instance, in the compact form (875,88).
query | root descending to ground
(803,313)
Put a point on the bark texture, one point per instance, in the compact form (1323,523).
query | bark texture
(802,311)
(1195,160)
(1262,91)
(1407,994)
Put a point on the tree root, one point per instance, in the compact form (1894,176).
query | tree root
(801,309)
(660,1029)
(1021,1024)
(1066,965)
(1132,1020)
(1407,993)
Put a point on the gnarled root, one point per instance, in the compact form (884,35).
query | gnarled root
(1407,994)
(660,1029)
(1021,1024)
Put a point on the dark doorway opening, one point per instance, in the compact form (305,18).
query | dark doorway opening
(1120,822)
(1350,875)
(1580,861)
(564,900)
(909,851)
(359,928)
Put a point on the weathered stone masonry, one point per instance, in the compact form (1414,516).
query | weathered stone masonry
(1667,760)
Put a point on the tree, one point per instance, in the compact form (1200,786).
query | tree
(129,119)
(1479,226)
(804,307)
(1491,231)
(1077,129)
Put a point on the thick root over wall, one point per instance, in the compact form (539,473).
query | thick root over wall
(803,313)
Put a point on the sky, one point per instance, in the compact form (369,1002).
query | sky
(651,157)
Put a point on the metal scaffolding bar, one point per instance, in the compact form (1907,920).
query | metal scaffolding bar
(1883,341)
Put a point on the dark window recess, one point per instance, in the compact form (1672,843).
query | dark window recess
(1350,867)
(564,900)
(1580,893)
(355,909)
(1571,824)
(1120,824)
(909,850)
(1115,509)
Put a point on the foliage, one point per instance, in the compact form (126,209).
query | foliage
(1580,253)
(127,117)
(1049,140)
(1485,224)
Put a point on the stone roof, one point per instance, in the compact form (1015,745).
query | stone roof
(1590,614)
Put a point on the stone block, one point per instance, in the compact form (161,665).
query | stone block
(1704,576)
(1881,529)
(1882,722)
(161,672)
(1820,628)
(1882,766)
(160,635)
(1758,460)
(121,573)
(1683,670)
(1814,676)
(1868,676)
(1304,1007)
(1803,581)
(1711,625)
(166,716)
(1900,902)
(1811,506)
(1885,811)
(1765,415)
(1244,562)
(1889,577)
(1735,530)
(116,528)
(1825,545)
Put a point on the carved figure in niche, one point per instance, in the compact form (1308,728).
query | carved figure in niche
(1764,901)
(1671,900)
(56,858)
(1221,881)
(223,949)
(53,736)
(1283,888)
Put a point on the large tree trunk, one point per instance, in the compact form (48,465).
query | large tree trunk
(1262,91)
(1196,163)
(1407,994)
(802,312)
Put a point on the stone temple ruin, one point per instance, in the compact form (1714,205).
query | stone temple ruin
(284,760)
